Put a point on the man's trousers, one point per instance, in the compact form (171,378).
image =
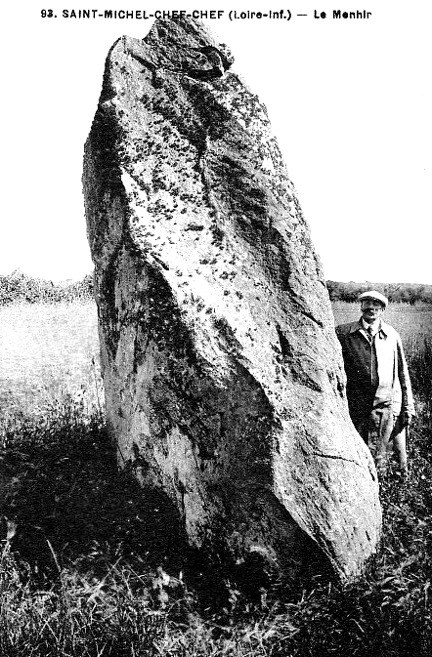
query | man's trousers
(382,433)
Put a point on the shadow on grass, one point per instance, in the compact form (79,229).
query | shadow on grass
(71,506)
(69,503)
(75,512)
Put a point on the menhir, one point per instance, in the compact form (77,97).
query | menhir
(223,377)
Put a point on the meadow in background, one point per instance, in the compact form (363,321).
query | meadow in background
(48,352)
(92,565)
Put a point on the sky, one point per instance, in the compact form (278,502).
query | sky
(350,103)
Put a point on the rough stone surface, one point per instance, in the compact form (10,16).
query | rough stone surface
(224,380)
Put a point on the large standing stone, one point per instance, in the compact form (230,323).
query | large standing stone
(224,380)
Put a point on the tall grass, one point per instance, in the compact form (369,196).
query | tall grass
(92,565)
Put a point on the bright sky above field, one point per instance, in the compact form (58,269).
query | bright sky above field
(350,103)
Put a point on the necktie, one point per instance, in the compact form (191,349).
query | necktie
(374,363)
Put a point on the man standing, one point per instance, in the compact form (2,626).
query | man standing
(378,385)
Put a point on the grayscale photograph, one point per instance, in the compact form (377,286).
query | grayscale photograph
(216,330)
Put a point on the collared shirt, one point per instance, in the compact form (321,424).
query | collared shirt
(376,369)
(370,329)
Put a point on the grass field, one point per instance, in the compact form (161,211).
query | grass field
(92,566)
(48,352)
(51,351)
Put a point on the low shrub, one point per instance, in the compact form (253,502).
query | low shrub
(18,287)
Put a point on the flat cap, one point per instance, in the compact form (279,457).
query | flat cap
(376,296)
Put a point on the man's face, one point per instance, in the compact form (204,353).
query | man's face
(371,310)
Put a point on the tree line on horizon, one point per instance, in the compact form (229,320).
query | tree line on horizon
(17,286)
(22,288)
(395,292)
